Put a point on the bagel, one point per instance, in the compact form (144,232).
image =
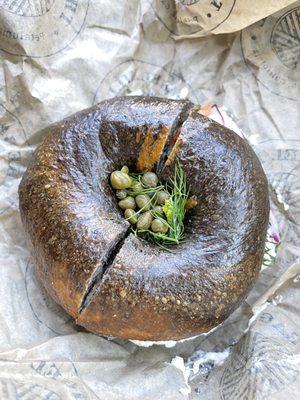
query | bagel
(112,282)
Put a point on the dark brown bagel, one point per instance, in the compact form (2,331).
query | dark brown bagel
(112,282)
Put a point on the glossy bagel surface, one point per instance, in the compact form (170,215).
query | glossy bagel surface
(112,282)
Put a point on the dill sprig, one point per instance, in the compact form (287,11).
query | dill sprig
(177,202)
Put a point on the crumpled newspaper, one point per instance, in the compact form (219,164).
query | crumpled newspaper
(58,57)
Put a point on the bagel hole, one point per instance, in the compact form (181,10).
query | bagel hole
(162,180)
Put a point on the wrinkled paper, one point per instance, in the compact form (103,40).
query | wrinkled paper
(58,57)
(197,18)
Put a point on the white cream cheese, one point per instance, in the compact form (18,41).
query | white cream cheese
(170,343)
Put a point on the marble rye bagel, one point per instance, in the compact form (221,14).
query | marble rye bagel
(85,255)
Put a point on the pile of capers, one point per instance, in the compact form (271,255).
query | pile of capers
(142,198)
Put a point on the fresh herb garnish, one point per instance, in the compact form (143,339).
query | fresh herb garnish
(164,222)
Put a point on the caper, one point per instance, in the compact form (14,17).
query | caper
(144,220)
(158,225)
(120,180)
(125,169)
(161,197)
(136,187)
(121,194)
(150,179)
(128,202)
(191,202)
(158,210)
(143,201)
(131,216)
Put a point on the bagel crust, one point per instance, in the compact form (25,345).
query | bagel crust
(112,282)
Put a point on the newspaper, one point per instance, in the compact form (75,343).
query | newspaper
(58,57)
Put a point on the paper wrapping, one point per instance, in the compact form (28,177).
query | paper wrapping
(58,57)
(197,18)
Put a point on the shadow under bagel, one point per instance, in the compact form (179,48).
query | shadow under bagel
(114,283)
